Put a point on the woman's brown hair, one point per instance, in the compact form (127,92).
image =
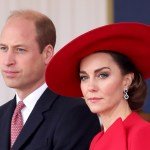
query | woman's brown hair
(138,89)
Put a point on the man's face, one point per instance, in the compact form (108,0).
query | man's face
(21,63)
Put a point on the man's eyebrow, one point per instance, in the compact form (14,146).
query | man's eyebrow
(1,44)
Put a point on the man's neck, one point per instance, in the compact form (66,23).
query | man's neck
(23,93)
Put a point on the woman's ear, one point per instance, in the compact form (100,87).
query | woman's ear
(128,78)
(48,53)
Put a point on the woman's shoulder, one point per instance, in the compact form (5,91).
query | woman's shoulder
(139,134)
(133,128)
(135,121)
(136,126)
(144,115)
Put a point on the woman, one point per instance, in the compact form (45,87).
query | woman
(107,66)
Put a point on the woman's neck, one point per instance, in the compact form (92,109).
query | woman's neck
(110,116)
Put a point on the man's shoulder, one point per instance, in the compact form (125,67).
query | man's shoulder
(5,107)
(63,99)
(70,102)
(66,104)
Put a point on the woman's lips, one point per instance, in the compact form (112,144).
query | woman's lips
(94,99)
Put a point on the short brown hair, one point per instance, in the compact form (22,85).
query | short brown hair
(138,89)
(45,29)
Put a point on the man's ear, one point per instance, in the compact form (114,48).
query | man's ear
(48,53)
(128,78)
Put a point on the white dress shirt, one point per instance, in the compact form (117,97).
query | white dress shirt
(30,101)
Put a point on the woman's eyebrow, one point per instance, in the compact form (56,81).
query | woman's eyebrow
(95,71)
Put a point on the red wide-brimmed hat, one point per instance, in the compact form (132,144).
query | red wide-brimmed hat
(131,39)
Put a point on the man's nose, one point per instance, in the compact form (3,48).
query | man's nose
(9,58)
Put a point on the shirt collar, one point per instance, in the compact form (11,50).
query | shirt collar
(32,98)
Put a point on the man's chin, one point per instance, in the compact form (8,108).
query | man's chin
(11,84)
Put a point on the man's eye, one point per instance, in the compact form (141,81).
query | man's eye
(3,48)
(20,50)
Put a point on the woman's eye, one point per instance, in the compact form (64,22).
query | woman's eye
(83,78)
(103,75)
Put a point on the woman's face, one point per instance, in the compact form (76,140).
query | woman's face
(102,82)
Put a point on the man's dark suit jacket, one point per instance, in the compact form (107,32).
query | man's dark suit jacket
(56,123)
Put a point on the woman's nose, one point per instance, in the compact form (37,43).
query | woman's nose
(92,86)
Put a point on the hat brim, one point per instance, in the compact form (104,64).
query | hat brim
(131,39)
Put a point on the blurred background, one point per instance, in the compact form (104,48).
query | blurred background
(74,17)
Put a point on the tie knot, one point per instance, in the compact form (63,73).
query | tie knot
(20,106)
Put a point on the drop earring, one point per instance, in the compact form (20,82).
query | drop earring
(126,96)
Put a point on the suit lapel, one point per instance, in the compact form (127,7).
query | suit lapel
(36,118)
(5,125)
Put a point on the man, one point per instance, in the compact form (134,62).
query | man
(46,121)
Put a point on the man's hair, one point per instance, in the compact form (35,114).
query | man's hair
(45,29)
